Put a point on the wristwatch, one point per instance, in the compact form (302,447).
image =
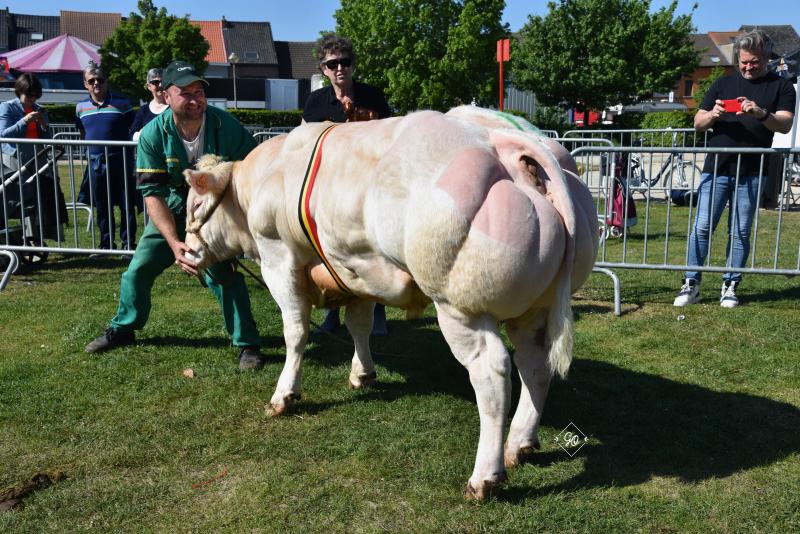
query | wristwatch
(766,115)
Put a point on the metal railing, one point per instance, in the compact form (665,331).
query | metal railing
(40,210)
(660,238)
(656,137)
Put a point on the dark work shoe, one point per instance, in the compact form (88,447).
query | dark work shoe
(251,359)
(110,340)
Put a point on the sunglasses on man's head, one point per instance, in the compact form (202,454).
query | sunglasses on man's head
(333,64)
(99,81)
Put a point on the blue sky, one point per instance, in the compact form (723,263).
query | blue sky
(302,20)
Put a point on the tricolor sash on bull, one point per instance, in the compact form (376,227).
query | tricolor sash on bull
(307,222)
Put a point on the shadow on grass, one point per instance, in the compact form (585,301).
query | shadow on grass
(640,425)
(643,425)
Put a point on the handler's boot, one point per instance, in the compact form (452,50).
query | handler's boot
(251,359)
(110,340)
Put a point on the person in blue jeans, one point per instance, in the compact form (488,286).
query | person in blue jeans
(767,104)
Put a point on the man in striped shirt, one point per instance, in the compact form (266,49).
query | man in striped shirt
(105,116)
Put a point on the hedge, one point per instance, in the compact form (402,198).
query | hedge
(65,113)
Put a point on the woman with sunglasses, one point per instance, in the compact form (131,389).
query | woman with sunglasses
(22,117)
(152,109)
(344,100)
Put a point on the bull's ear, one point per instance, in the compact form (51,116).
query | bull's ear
(198,180)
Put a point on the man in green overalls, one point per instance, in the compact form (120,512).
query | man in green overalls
(169,144)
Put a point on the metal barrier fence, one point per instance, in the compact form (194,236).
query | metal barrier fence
(655,137)
(42,210)
(57,128)
(658,237)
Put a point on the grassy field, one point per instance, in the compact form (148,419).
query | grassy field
(692,417)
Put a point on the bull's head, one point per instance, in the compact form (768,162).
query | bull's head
(205,223)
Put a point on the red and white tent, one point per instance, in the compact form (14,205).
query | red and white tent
(64,53)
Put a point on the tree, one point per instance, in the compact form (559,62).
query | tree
(705,84)
(602,52)
(150,39)
(425,53)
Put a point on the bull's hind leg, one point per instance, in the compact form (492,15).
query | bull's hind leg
(476,343)
(358,319)
(528,336)
(286,282)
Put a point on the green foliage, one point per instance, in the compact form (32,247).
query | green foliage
(60,113)
(602,52)
(150,39)
(629,121)
(424,53)
(267,117)
(702,88)
(667,119)
(550,118)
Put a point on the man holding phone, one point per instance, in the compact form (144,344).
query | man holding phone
(744,109)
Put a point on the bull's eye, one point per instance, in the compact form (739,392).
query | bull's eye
(196,204)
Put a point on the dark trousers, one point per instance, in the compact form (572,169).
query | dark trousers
(106,179)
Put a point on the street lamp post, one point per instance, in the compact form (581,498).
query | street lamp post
(234,59)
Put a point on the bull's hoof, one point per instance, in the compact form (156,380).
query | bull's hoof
(363,381)
(485,490)
(522,455)
(276,409)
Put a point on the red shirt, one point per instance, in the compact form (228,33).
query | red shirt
(33,127)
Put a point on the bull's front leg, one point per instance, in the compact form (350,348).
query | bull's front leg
(358,319)
(476,343)
(286,281)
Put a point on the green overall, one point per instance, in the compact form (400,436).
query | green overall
(160,162)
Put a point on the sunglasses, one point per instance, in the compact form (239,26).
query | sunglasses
(33,95)
(155,82)
(333,64)
(99,81)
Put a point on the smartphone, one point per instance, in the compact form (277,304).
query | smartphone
(732,106)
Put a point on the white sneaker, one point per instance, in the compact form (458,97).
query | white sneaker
(690,293)
(727,298)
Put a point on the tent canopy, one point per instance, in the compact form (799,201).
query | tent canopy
(65,53)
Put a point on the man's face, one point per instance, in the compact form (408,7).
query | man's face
(187,103)
(96,85)
(752,64)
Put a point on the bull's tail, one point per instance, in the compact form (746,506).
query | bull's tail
(516,150)
(559,327)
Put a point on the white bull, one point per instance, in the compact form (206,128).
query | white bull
(454,209)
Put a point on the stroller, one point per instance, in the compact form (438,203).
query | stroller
(620,210)
(32,207)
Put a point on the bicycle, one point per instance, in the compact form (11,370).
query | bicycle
(676,172)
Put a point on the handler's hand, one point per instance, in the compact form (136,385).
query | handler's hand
(187,265)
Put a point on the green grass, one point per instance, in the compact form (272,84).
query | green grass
(693,423)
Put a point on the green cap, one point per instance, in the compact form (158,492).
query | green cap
(181,74)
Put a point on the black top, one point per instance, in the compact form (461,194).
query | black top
(322,104)
(143,116)
(770,92)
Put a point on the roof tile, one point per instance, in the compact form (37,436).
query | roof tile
(212,32)
(89,26)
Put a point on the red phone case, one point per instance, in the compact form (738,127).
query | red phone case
(732,105)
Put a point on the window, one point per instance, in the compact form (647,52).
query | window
(250,55)
(687,88)
(37,36)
